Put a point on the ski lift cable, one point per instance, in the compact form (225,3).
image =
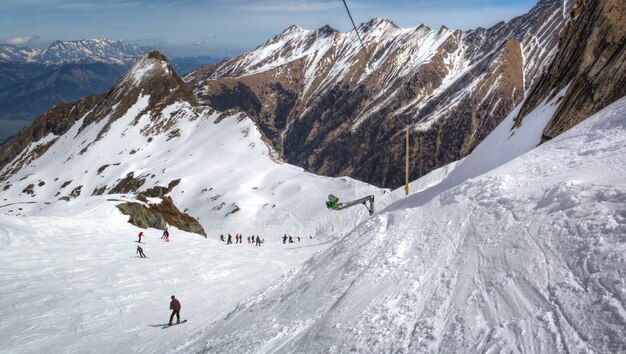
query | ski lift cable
(406,126)
(355,30)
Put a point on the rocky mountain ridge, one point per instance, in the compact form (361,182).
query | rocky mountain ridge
(590,66)
(326,106)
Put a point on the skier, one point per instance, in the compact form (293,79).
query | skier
(140,252)
(165,233)
(230,240)
(284,239)
(167,237)
(237,238)
(298,238)
(258,240)
(175,307)
(290,239)
(140,234)
(222,237)
(248,239)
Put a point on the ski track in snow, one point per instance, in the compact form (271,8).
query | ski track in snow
(527,258)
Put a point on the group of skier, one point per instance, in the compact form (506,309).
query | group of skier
(254,239)
(166,236)
(174,304)
(289,238)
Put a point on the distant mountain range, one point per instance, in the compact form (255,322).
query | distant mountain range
(76,51)
(34,80)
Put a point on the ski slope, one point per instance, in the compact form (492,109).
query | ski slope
(526,258)
(75,285)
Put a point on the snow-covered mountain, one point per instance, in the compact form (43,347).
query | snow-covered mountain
(148,131)
(327,106)
(91,50)
(109,51)
(12,53)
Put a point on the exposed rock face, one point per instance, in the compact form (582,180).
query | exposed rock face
(591,60)
(326,106)
(157,215)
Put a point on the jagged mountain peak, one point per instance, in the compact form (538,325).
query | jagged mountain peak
(292,29)
(150,65)
(377,22)
(326,29)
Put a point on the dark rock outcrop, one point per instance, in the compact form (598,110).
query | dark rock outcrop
(591,60)
(157,215)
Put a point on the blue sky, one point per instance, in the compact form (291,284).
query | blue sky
(227,27)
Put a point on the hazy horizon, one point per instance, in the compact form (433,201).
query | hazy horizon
(222,28)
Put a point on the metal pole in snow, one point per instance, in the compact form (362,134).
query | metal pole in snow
(406,173)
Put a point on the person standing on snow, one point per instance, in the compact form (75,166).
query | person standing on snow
(229,241)
(284,239)
(165,234)
(175,307)
(290,239)
(140,234)
(140,252)
(258,240)
(222,237)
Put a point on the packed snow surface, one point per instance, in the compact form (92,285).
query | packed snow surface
(529,257)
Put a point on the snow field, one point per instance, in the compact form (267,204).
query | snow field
(76,284)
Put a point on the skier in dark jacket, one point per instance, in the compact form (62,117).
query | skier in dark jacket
(140,252)
(175,307)
(230,240)
(222,237)
(258,240)
(290,239)
(284,239)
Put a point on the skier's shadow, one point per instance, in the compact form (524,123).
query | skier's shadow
(313,245)
(162,325)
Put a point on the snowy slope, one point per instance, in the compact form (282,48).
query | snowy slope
(528,257)
(69,267)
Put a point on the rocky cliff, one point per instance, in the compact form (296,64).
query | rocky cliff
(591,64)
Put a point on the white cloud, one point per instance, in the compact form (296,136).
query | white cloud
(20,40)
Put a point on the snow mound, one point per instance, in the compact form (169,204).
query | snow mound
(529,257)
